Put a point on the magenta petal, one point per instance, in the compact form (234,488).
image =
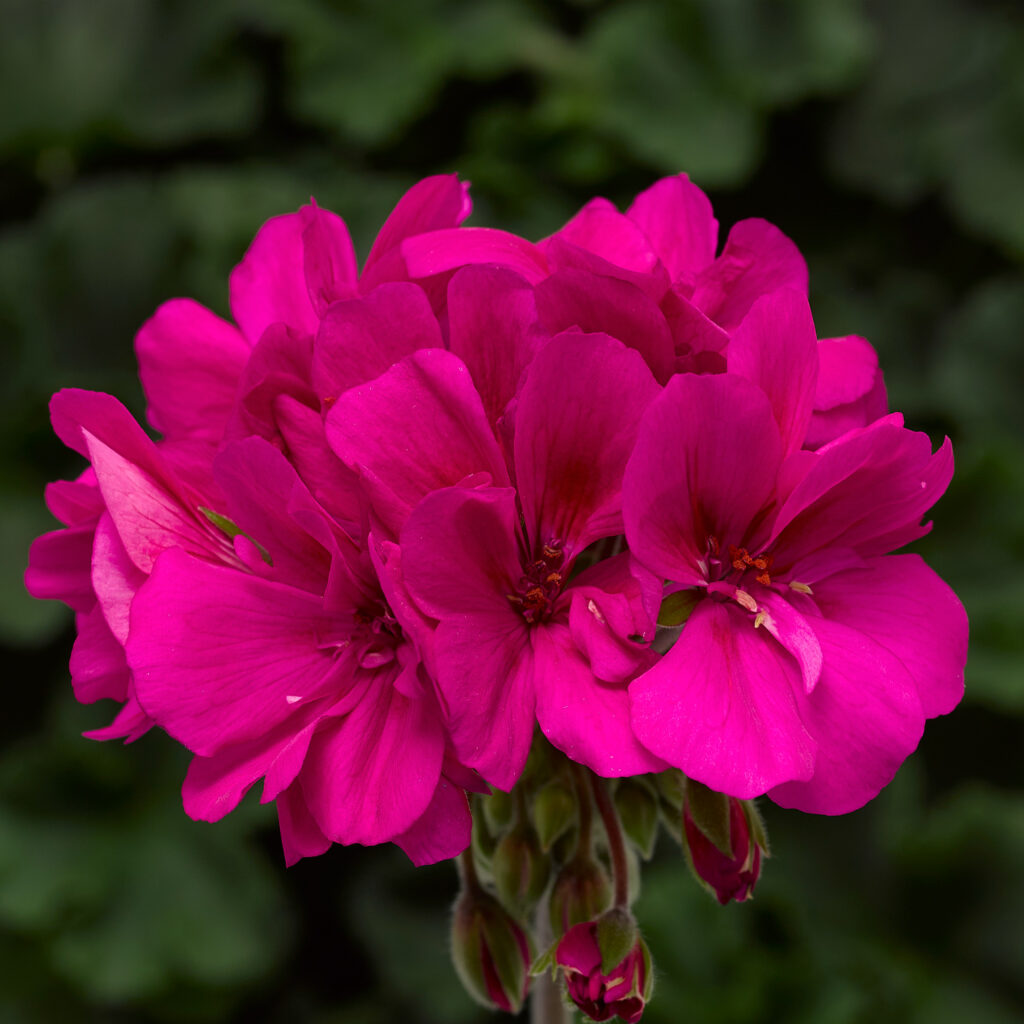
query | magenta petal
(721,706)
(300,834)
(435,203)
(99,670)
(601,229)
(130,724)
(115,577)
(758,258)
(866,718)
(328,257)
(576,298)
(847,369)
(442,831)
(493,329)
(586,719)
(575,426)
(793,632)
(903,605)
(361,338)
(415,429)
(370,775)
(190,361)
(705,462)
(676,216)
(269,285)
(776,348)
(438,251)
(58,567)
(697,340)
(221,657)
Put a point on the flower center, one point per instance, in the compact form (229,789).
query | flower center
(540,583)
(742,560)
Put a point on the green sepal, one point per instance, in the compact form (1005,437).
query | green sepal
(499,810)
(616,936)
(232,530)
(554,811)
(710,813)
(638,812)
(520,870)
(758,832)
(545,961)
(676,608)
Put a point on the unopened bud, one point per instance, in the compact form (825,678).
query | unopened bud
(638,811)
(724,842)
(581,892)
(490,950)
(499,810)
(554,811)
(520,869)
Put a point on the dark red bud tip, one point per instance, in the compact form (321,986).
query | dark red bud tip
(730,869)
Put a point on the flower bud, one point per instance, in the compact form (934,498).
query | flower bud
(491,952)
(553,812)
(724,842)
(637,807)
(520,869)
(581,891)
(607,967)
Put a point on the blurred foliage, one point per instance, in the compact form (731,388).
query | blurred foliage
(142,142)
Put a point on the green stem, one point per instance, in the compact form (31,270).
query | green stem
(616,842)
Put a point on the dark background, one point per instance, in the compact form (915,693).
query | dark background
(141,145)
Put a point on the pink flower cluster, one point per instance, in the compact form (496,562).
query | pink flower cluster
(399,518)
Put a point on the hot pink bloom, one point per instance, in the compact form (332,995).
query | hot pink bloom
(732,875)
(812,658)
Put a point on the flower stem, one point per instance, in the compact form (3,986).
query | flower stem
(546,1004)
(584,807)
(616,844)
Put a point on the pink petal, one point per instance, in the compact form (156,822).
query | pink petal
(360,339)
(328,258)
(601,229)
(758,258)
(776,348)
(435,203)
(493,329)
(370,775)
(586,719)
(676,217)
(300,834)
(269,285)
(58,567)
(75,502)
(865,717)
(846,370)
(221,657)
(130,724)
(828,424)
(437,251)
(442,831)
(705,462)
(903,605)
(576,298)
(561,254)
(115,577)
(697,340)
(575,426)
(99,670)
(721,706)
(190,361)
(793,632)
(415,429)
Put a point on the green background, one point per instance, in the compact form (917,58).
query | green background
(142,142)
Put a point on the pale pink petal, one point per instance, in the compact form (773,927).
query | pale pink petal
(866,718)
(601,229)
(586,719)
(269,285)
(417,428)
(190,362)
(99,670)
(576,298)
(328,258)
(361,338)
(438,251)
(903,605)
(705,462)
(776,348)
(370,775)
(721,705)
(493,329)
(115,577)
(676,217)
(792,630)
(758,258)
(575,426)
(221,657)
(300,834)
(442,831)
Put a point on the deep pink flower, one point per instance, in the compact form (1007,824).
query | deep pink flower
(606,977)
(731,875)
(812,658)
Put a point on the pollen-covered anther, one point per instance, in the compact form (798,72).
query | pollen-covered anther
(743,560)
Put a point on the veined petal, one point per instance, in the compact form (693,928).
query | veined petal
(903,605)
(442,831)
(705,463)
(793,632)
(300,834)
(99,670)
(328,258)
(437,251)
(865,717)
(190,361)
(721,705)
(575,426)
(419,427)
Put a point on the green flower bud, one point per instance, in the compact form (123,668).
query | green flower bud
(554,811)
(638,811)
(520,869)
(581,892)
